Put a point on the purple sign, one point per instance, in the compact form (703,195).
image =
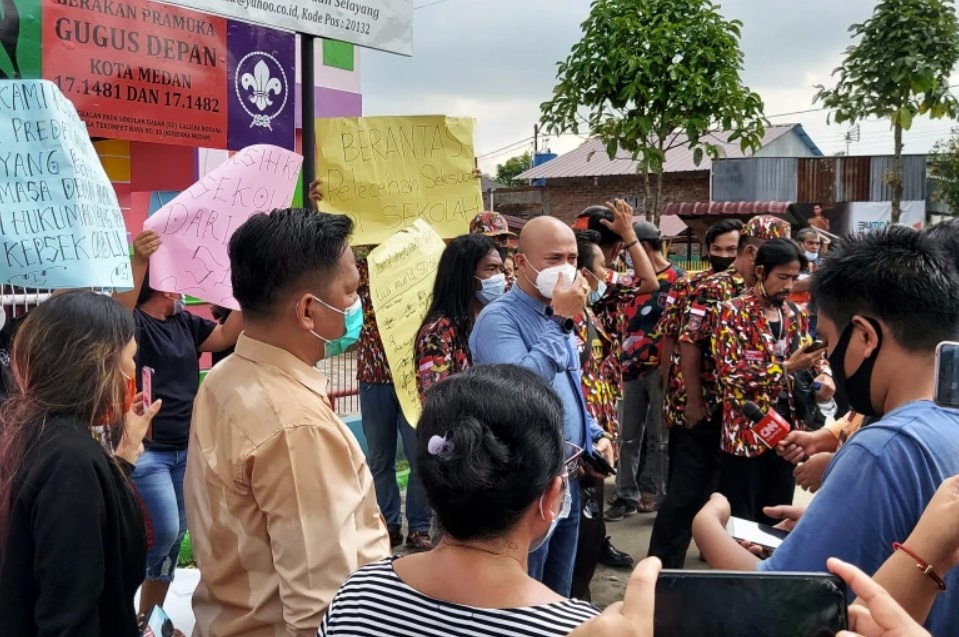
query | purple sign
(261,86)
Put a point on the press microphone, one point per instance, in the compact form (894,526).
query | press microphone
(770,428)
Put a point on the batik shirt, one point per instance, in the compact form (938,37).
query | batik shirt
(440,352)
(371,364)
(599,368)
(670,324)
(751,363)
(611,312)
(699,324)
(642,339)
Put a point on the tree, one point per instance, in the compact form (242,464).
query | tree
(506,173)
(899,69)
(654,75)
(944,170)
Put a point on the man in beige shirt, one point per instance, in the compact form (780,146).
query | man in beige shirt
(280,501)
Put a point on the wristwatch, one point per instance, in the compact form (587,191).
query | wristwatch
(565,324)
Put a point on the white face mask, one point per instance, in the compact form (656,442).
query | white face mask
(564,510)
(546,279)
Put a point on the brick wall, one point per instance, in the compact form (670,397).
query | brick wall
(566,198)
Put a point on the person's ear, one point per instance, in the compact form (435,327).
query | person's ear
(867,335)
(551,503)
(761,273)
(304,316)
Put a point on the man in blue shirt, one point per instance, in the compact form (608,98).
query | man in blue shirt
(532,326)
(886,299)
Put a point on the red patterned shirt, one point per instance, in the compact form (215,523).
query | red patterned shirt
(371,364)
(700,321)
(611,312)
(750,361)
(599,366)
(641,339)
(670,324)
(440,351)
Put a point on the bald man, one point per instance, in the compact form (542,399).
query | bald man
(532,326)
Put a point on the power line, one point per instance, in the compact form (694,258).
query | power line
(430,4)
(507,147)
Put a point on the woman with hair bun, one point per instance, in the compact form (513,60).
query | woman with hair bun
(491,455)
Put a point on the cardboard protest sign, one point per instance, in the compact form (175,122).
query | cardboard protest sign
(387,172)
(197,225)
(60,223)
(402,271)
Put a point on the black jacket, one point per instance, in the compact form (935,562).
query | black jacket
(76,549)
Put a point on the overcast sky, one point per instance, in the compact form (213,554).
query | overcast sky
(495,60)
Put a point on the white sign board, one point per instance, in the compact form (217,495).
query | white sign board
(386,25)
(871,215)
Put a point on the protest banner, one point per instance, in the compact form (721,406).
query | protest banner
(197,225)
(60,222)
(402,271)
(144,71)
(386,172)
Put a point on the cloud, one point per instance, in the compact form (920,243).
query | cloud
(495,60)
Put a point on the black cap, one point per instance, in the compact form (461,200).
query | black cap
(646,231)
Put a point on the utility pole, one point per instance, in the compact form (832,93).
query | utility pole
(535,140)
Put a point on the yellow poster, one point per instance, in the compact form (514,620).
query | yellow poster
(387,172)
(402,270)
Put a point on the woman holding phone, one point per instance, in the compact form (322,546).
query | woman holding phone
(71,529)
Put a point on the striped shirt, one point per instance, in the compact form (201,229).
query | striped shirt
(375,602)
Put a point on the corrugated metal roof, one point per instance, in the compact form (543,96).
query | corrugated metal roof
(827,180)
(764,179)
(727,208)
(591,160)
(913,178)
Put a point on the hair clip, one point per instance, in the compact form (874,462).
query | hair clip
(440,446)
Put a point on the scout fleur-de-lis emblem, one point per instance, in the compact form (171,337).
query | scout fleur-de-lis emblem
(261,87)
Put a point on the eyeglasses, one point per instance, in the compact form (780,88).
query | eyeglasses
(574,460)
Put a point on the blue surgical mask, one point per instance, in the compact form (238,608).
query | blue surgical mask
(812,256)
(564,511)
(353,323)
(493,288)
(596,295)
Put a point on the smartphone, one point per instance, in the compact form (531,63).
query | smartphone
(947,374)
(815,346)
(734,604)
(760,534)
(598,463)
(146,386)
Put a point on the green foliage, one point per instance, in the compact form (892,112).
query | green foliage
(506,173)
(652,75)
(944,170)
(898,70)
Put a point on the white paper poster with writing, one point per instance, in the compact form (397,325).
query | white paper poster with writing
(196,226)
(60,221)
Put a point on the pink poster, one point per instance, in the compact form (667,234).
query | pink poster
(197,225)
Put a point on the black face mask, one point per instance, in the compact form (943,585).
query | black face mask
(855,389)
(720,264)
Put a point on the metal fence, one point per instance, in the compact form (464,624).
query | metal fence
(344,389)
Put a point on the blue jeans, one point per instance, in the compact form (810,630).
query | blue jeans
(382,419)
(158,478)
(552,564)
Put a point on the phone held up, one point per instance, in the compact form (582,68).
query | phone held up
(947,374)
(146,387)
(734,604)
